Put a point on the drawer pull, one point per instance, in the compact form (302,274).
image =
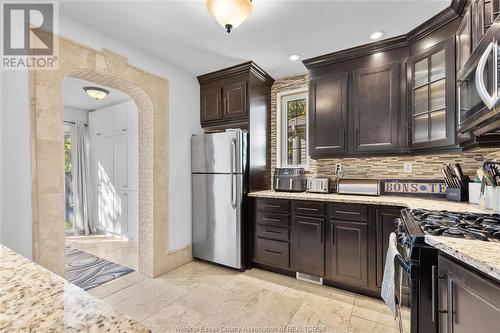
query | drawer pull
(272,232)
(272,206)
(276,253)
(308,209)
(347,212)
(270,220)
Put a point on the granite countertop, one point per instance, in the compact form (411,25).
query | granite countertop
(483,256)
(384,200)
(33,299)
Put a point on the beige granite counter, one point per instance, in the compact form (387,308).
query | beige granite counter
(483,256)
(385,200)
(33,299)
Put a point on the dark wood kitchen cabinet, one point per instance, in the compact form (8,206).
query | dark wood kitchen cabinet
(229,96)
(328,122)
(431,96)
(347,252)
(465,301)
(307,238)
(375,108)
(210,106)
(385,224)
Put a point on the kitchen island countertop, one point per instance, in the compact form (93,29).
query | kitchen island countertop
(34,299)
(383,200)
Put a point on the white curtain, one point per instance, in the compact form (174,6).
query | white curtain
(83,223)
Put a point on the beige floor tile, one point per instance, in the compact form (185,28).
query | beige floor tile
(321,311)
(240,285)
(360,325)
(374,310)
(172,317)
(111,287)
(277,279)
(206,298)
(215,275)
(149,301)
(113,299)
(184,273)
(228,317)
(273,306)
(263,283)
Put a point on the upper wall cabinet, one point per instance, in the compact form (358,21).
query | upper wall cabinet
(226,95)
(328,121)
(431,97)
(375,108)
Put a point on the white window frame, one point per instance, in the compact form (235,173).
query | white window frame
(281,123)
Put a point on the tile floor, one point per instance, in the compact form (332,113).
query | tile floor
(201,297)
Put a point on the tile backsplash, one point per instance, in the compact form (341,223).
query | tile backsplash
(423,166)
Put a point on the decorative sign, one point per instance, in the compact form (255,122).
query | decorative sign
(414,187)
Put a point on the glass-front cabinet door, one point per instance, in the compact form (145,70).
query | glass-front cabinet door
(432,97)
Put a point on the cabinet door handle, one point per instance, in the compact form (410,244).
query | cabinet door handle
(357,137)
(225,106)
(276,253)
(269,220)
(272,232)
(434,301)
(332,235)
(218,106)
(346,212)
(308,209)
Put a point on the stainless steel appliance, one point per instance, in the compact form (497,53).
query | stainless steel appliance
(219,166)
(419,260)
(318,185)
(478,88)
(289,180)
(358,186)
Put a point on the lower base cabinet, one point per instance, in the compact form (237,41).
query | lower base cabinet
(347,252)
(343,243)
(307,251)
(466,301)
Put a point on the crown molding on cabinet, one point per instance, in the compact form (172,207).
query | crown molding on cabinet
(423,30)
(243,68)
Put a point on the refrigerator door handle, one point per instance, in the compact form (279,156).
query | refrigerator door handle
(233,156)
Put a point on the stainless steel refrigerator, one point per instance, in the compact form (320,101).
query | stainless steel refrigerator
(218,166)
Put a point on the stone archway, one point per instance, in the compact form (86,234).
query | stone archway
(150,93)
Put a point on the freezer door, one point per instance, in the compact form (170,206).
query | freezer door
(217,218)
(219,152)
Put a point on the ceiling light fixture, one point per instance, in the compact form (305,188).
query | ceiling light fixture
(293,57)
(230,13)
(96,92)
(377,35)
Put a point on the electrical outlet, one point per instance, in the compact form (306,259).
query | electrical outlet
(338,168)
(408,167)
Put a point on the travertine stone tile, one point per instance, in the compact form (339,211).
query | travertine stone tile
(273,306)
(229,316)
(360,325)
(373,310)
(171,317)
(240,286)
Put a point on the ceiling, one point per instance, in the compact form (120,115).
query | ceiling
(75,96)
(184,34)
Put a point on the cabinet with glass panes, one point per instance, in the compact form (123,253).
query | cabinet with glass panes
(431,95)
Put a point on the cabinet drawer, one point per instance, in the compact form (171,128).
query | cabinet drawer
(272,219)
(272,232)
(272,252)
(308,208)
(273,205)
(349,212)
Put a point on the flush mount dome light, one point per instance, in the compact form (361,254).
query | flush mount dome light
(230,13)
(293,57)
(96,92)
(377,35)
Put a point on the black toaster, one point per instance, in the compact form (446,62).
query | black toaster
(289,180)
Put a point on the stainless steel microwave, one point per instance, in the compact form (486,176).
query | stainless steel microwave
(478,89)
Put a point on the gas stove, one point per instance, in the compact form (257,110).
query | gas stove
(458,225)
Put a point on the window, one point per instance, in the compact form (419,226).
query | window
(292,131)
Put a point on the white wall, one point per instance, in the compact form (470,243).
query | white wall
(75,114)
(184,120)
(15,212)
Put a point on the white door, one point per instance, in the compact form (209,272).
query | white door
(121,209)
(105,163)
(121,161)
(133,162)
(120,115)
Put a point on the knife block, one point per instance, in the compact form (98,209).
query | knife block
(458,193)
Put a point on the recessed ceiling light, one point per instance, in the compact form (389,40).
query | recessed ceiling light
(377,35)
(96,92)
(294,57)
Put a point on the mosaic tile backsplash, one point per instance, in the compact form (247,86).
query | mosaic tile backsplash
(423,166)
